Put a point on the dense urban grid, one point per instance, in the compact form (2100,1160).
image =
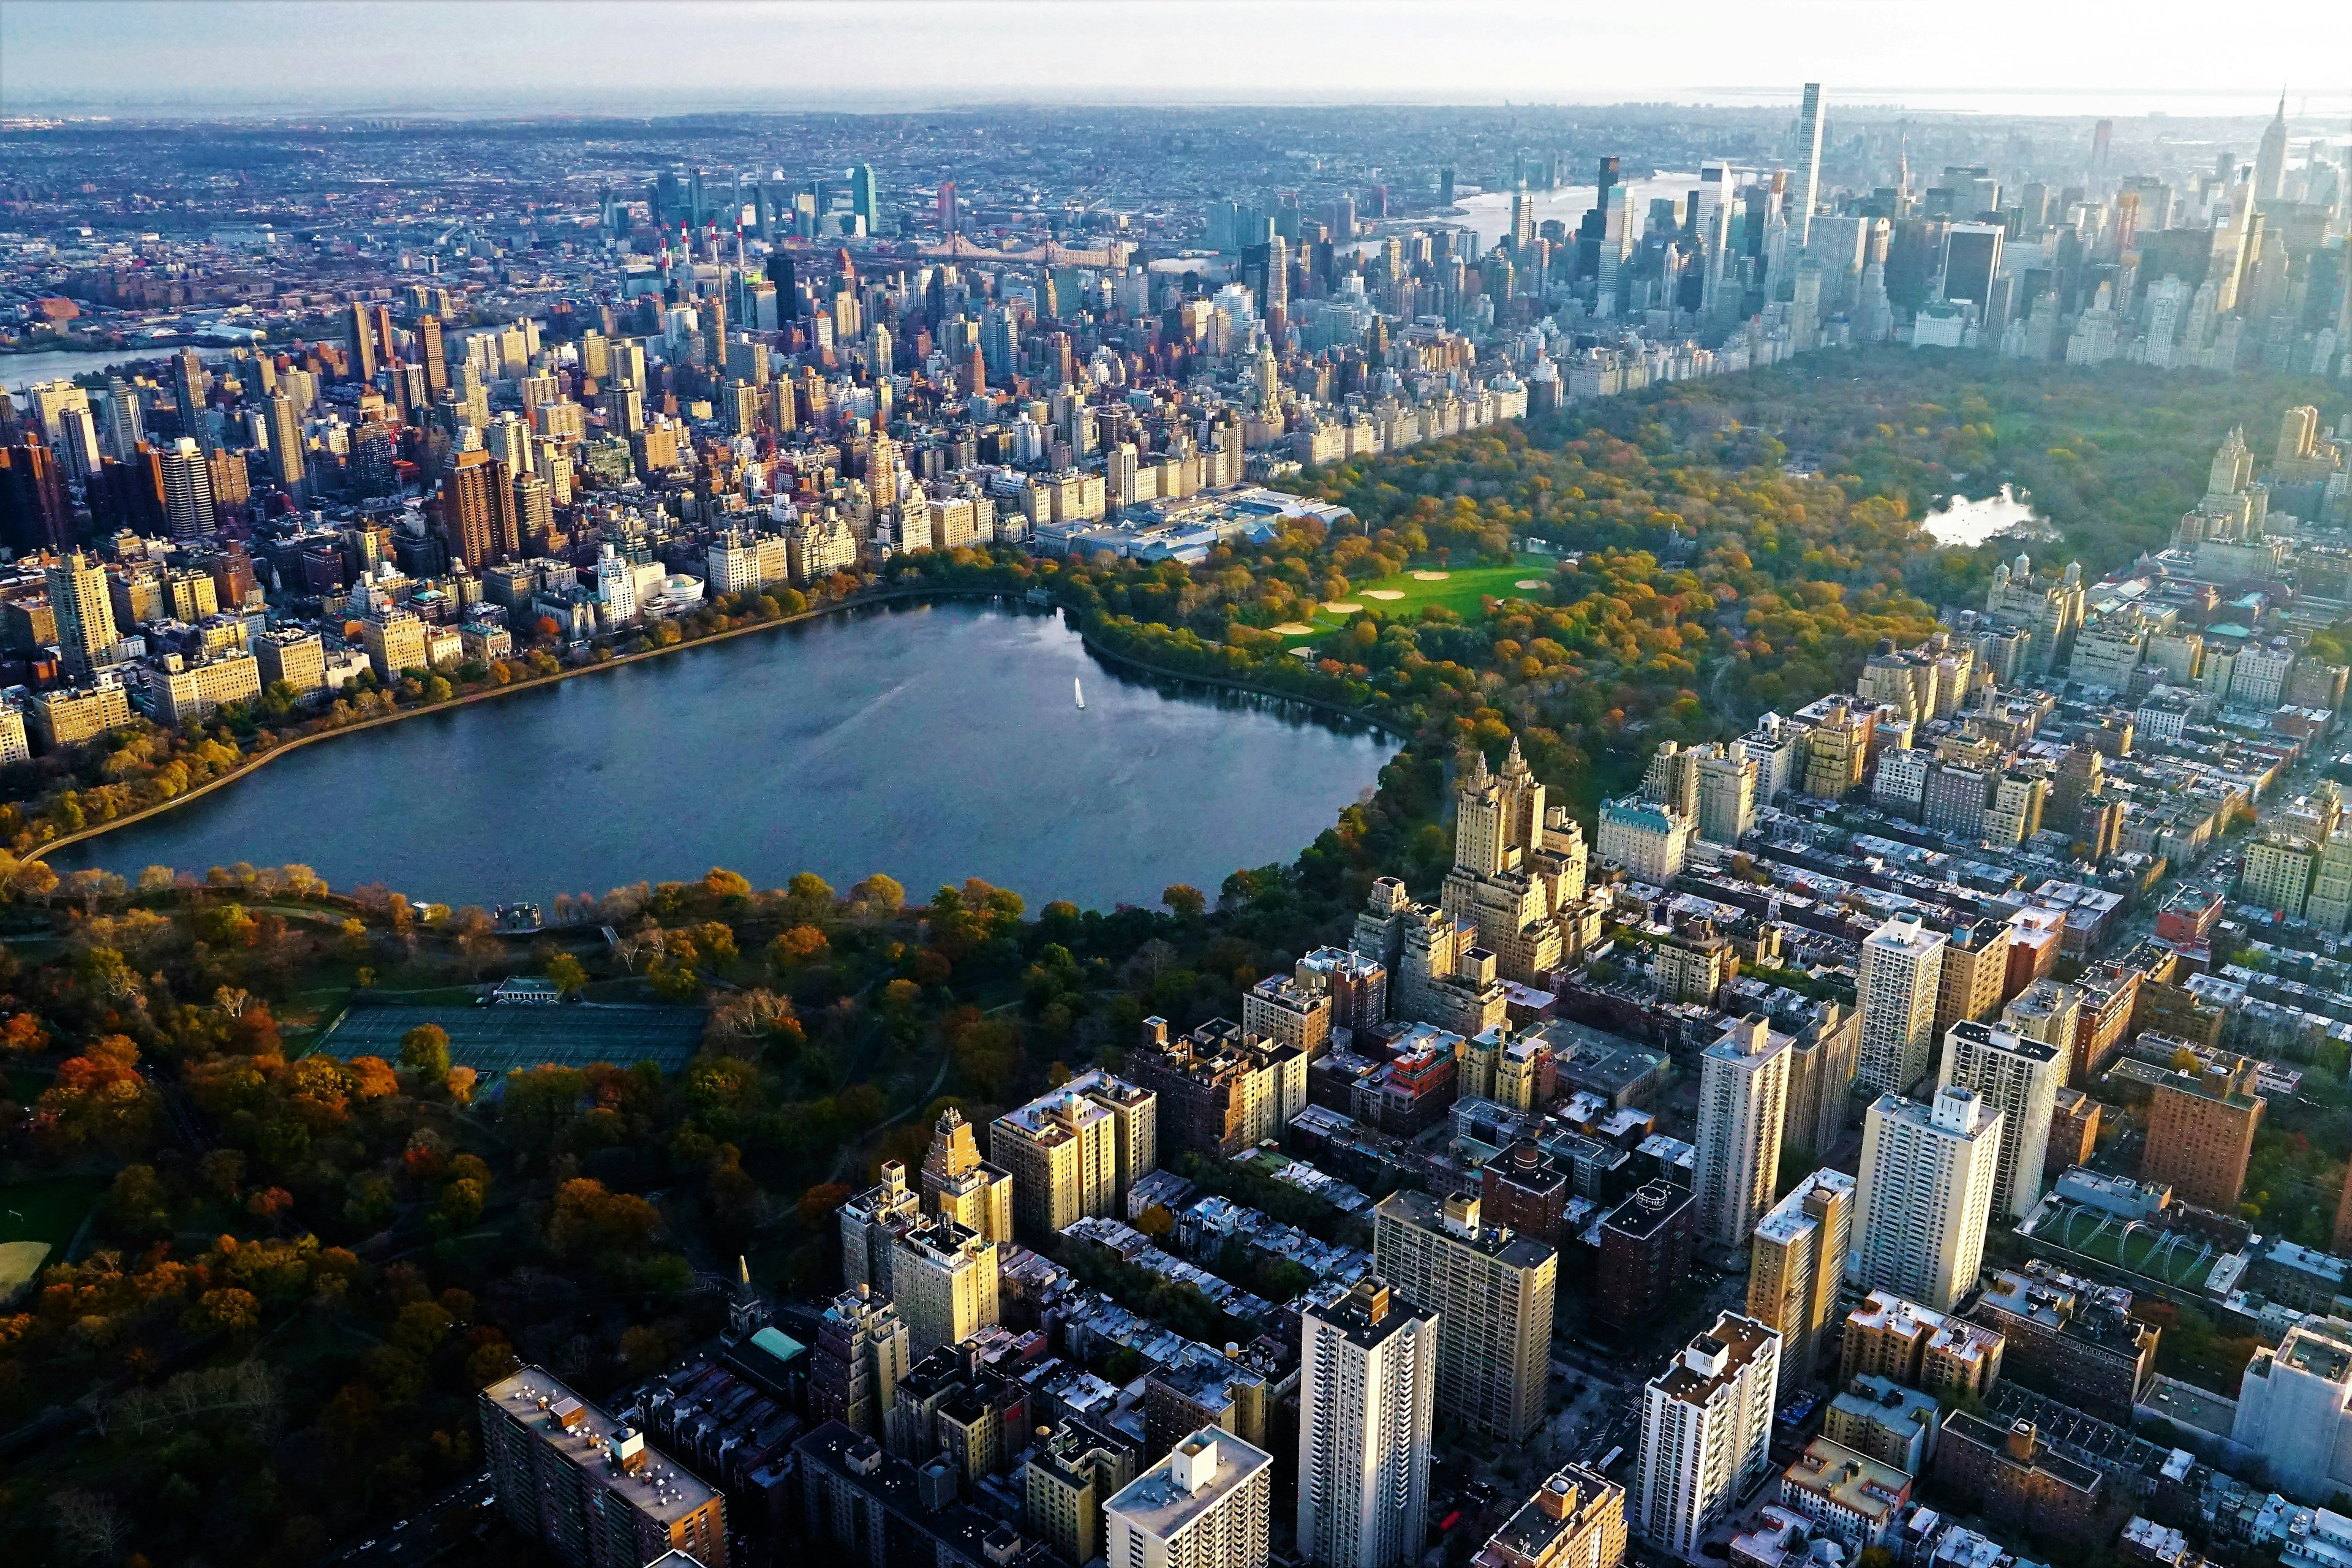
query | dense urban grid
(1831,1045)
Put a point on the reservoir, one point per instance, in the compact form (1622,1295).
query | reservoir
(1962,523)
(931,741)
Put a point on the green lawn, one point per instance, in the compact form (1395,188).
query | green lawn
(47,1210)
(1461,591)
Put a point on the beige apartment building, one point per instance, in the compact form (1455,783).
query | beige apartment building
(1492,1291)
(1076,1151)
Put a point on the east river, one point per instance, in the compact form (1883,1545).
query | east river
(932,743)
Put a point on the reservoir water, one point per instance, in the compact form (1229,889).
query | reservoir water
(1962,523)
(933,743)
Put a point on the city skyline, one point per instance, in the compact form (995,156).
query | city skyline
(252,60)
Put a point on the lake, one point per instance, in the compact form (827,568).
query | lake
(1962,523)
(933,743)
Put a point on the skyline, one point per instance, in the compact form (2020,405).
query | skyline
(240,59)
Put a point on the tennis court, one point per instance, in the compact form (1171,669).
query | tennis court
(494,1040)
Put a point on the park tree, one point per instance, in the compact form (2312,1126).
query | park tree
(424,1051)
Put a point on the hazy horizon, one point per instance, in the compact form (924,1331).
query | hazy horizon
(234,59)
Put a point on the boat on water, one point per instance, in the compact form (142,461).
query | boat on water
(1078,691)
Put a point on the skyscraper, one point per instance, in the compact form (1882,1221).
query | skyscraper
(2270,159)
(2020,1078)
(466,509)
(1923,1196)
(85,612)
(1800,1262)
(1707,1429)
(126,424)
(1367,1392)
(188,393)
(34,512)
(1902,966)
(362,344)
(861,195)
(429,349)
(1809,158)
(1743,1099)
(187,486)
(1206,1505)
(1492,1291)
(286,444)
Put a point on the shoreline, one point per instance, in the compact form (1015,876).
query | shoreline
(536,683)
(1231,683)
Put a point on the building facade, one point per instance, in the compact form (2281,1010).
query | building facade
(1707,1429)
(1367,1399)
(1925,1195)
(1492,1291)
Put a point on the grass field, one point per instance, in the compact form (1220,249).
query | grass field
(47,1210)
(1461,591)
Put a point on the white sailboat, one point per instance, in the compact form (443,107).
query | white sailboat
(1078,691)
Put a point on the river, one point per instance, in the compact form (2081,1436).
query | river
(20,371)
(1489,212)
(933,743)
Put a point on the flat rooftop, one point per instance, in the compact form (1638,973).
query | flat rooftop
(1159,1503)
(661,1489)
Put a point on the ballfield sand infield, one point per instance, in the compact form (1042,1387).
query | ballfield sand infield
(1431,576)
(1292,629)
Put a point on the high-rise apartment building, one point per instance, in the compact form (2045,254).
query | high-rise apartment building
(943,1279)
(287,443)
(1518,863)
(1492,1291)
(1209,1504)
(1925,1195)
(862,1350)
(2020,1078)
(1644,1254)
(85,614)
(1367,1394)
(1807,193)
(2200,1128)
(1728,780)
(186,479)
(1743,1098)
(959,1183)
(1076,1151)
(1218,1091)
(395,640)
(869,1221)
(1972,977)
(1798,1264)
(1707,1430)
(2294,1409)
(1576,1519)
(1902,967)
(587,1488)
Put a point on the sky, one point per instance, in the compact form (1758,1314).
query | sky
(629,56)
